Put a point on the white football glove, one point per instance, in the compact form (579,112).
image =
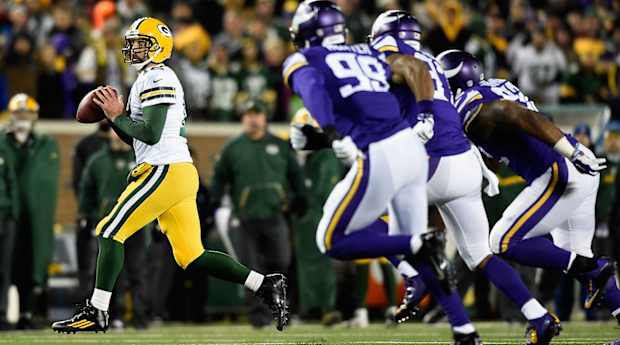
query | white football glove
(424,128)
(586,162)
(297,137)
(346,150)
(492,187)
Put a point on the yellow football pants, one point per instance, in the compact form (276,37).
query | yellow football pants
(163,192)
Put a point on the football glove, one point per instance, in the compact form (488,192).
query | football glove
(346,150)
(424,128)
(492,187)
(586,162)
(298,138)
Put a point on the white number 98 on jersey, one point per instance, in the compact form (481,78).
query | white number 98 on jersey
(367,70)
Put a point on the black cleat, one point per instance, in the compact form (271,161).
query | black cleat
(414,293)
(542,330)
(467,339)
(596,285)
(86,319)
(273,293)
(433,243)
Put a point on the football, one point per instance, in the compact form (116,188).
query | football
(88,111)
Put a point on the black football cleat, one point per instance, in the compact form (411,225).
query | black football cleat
(595,284)
(414,293)
(467,339)
(273,293)
(86,319)
(433,250)
(540,331)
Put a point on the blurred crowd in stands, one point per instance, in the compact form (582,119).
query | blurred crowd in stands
(229,51)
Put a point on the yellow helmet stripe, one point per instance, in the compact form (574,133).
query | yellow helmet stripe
(138,22)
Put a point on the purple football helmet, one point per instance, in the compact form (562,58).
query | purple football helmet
(462,69)
(318,22)
(398,23)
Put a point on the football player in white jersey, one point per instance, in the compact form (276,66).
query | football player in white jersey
(162,186)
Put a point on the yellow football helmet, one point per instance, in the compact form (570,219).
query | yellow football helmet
(22,103)
(302,117)
(147,40)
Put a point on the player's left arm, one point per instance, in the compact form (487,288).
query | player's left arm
(308,82)
(148,130)
(508,115)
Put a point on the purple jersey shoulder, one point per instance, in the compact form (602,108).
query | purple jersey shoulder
(524,154)
(356,78)
(449,138)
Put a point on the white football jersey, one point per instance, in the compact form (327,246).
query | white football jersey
(160,85)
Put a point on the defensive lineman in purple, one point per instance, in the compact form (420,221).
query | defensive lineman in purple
(346,89)
(455,175)
(562,176)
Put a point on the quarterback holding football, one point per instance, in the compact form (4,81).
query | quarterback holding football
(162,186)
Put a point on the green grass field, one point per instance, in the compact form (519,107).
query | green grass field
(415,333)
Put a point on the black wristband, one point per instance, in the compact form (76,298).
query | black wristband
(316,140)
(332,134)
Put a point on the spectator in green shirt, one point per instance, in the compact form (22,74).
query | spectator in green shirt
(263,178)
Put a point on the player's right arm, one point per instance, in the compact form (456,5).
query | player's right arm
(506,115)
(308,82)
(148,130)
(408,70)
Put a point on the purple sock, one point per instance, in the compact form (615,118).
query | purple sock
(505,279)
(450,302)
(393,260)
(365,244)
(538,252)
(612,294)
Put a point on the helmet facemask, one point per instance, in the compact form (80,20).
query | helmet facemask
(139,50)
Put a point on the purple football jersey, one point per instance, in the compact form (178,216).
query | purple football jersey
(356,81)
(525,155)
(449,138)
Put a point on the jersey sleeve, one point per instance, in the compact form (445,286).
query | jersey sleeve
(386,44)
(389,44)
(160,87)
(292,64)
(468,106)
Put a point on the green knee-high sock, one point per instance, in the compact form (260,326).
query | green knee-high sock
(109,263)
(220,265)
(361,284)
(389,283)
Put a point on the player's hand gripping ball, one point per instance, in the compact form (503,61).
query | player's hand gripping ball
(89,111)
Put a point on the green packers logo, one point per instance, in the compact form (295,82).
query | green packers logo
(164,30)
